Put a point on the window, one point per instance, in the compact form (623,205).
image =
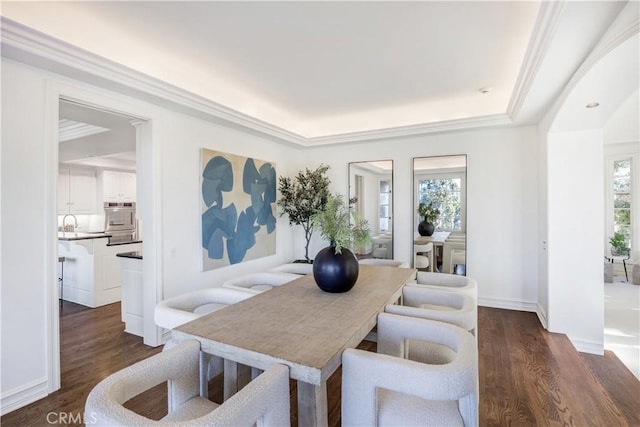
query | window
(622,202)
(385,206)
(446,195)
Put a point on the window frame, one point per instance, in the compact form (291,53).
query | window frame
(456,173)
(613,153)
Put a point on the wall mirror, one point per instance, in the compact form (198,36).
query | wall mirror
(371,184)
(440,182)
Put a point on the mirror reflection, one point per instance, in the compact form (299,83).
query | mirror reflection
(439,243)
(371,184)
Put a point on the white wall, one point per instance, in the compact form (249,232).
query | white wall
(183,138)
(624,124)
(27,352)
(501,198)
(575,218)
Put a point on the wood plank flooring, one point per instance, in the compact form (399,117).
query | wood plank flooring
(528,376)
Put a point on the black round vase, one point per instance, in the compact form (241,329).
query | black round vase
(426,228)
(335,272)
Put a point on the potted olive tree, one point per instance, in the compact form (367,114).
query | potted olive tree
(430,214)
(335,268)
(303,196)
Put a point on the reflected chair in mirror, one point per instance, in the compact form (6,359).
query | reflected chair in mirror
(447,283)
(457,309)
(423,256)
(260,282)
(453,250)
(382,245)
(264,401)
(383,262)
(391,388)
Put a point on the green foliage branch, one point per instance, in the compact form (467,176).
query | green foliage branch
(429,212)
(341,225)
(302,196)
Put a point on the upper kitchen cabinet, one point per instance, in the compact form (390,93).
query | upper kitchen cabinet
(77,191)
(119,186)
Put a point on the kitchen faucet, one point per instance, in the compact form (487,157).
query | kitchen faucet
(64,219)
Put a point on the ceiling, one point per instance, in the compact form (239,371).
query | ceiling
(321,69)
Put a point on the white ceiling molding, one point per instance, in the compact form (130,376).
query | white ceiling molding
(27,45)
(625,26)
(540,40)
(70,129)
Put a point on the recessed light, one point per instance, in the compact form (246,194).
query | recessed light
(593,104)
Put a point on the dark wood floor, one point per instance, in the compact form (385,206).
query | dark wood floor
(528,377)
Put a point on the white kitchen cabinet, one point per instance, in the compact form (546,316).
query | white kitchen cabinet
(132,307)
(119,186)
(77,191)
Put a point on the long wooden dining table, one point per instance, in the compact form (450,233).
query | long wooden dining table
(301,326)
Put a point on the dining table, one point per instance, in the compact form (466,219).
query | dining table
(298,325)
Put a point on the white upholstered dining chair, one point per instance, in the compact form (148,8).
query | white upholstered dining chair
(260,282)
(423,256)
(300,268)
(389,389)
(449,307)
(264,401)
(448,282)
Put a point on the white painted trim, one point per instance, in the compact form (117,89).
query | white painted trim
(50,231)
(493,120)
(587,346)
(625,26)
(542,316)
(507,304)
(91,96)
(543,32)
(23,395)
(26,45)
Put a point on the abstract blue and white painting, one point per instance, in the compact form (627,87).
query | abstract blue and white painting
(238,196)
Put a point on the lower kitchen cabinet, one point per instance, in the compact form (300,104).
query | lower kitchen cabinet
(132,314)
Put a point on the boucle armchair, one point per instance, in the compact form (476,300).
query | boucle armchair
(264,401)
(449,307)
(300,268)
(384,388)
(184,308)
(260,282)
(449,283)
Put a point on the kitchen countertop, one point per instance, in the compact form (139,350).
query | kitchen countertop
(72,235)
(132,254)
(124,243)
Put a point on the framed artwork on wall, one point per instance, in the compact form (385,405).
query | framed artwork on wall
(237,199)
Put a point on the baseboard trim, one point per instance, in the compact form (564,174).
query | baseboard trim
(587,346)
(23,395)
(541,316)
(508,304)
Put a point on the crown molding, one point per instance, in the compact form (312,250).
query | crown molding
(26,45)
(543,32)
(494,120)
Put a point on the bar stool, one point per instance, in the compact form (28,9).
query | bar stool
(61,260)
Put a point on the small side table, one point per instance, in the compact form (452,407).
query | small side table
(611,259)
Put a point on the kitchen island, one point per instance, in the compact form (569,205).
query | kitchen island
(92,272)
